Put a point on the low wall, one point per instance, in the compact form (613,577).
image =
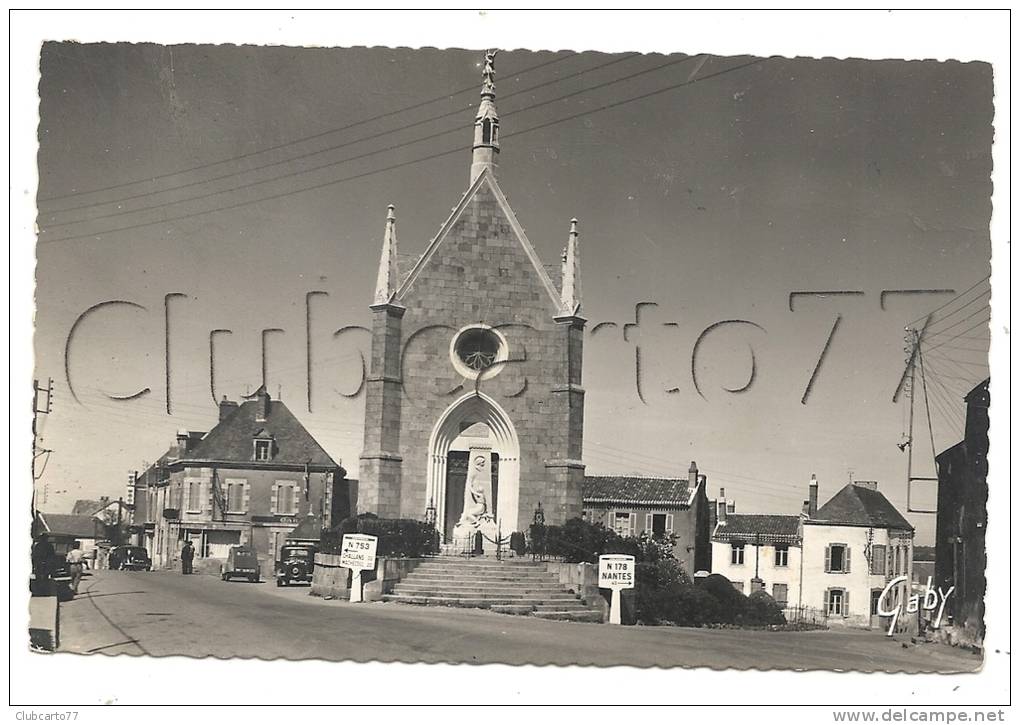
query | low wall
(583,580)
(44,623)
(330,579)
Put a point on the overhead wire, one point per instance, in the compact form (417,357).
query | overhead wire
(392,167)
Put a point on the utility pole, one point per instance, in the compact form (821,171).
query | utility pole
(36,412)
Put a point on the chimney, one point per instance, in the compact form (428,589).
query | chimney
(720,506)
(183,442)
(226,408)
(261,404)
(812,497)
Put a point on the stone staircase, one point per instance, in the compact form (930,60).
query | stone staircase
(508,587)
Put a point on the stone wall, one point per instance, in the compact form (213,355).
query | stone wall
(583,580)
(330,579)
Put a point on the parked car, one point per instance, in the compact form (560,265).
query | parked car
(130,558)
(241,561)
(295,564)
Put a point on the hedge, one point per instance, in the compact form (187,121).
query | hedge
(402,538)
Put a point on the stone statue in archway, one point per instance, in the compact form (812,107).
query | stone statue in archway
(477,514)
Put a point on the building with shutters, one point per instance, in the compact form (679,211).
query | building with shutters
(634,505)
(854,546)
(250,480)
(757,552)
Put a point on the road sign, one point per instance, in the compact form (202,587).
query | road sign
(616,572)
(357,552)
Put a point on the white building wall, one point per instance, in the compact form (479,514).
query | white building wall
(859,582)
(768,572)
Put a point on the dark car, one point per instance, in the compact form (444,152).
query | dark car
(242,561)
(130,558)
(296,564)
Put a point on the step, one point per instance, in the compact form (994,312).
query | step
(484,594)
(519,609)
(483,586)
(476,603)
(509,597)
(588,616)
(514,569)
(462,578)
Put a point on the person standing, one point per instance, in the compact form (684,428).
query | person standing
(187,557)
(74,567)
(42,557)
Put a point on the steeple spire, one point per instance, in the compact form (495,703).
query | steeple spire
(387,281)
(570,294)
(486,145)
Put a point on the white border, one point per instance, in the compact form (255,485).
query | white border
(874,34)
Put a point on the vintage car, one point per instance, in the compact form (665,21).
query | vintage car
(242,561)
(295,564)
(130,558)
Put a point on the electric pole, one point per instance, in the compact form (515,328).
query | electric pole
(37,393)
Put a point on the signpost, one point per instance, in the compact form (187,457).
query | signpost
(616,572)
(357,553)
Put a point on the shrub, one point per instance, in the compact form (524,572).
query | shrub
(582,541)
(733,605)
(404,538)
(763,610)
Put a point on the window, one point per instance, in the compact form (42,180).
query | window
(486,131)
(236,497)
(896,568)
(739,586)
(836,602)
(878,559)
(623,523)
(478,352)
(779,593)
(263,449)
(782,555)
(195,496)
(837,559)
(737,553)
(286,498)
(876,597)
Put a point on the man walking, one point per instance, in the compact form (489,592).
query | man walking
(74,567)
(187,557)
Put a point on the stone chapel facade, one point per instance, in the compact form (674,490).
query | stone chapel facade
(474,410)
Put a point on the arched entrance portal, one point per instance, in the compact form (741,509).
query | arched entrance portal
(475,415)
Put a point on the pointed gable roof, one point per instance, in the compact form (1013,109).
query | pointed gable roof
(486,179)
(231,440)
(860,506)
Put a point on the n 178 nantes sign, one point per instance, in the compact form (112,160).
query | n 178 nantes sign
(616,572)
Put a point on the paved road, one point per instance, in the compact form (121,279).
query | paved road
(163,613)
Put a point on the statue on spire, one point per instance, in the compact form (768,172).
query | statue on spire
(489,73)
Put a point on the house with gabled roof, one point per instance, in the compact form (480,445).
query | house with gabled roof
(250,480)
(633,505)
(855,545)
(757,552)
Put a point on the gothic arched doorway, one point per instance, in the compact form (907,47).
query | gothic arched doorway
(475,415)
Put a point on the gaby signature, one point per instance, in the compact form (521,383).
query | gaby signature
(931,600)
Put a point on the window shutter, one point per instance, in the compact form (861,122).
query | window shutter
(273,498)
(825,601)
(246,496)
(633,523)
(208,497)
(669,523)
(846,603)
(828,558)
(846,558)
(648,523)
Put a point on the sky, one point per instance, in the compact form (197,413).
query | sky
(709,187)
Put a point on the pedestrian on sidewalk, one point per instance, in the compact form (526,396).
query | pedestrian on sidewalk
(187,557)
(75,567)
